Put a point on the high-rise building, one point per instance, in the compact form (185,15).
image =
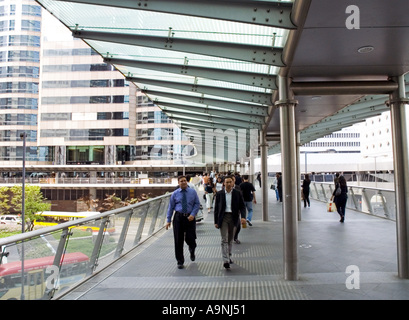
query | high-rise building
(20,47)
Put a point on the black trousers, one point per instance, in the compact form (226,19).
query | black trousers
(183,230)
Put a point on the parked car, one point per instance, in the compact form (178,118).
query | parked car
(10,219)
(38,175)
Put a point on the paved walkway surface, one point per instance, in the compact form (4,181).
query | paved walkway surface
(326,249)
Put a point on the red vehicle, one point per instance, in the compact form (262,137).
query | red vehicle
(73,269)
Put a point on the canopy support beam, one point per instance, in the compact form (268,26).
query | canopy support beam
(254,79)
(229,50)
(271,13)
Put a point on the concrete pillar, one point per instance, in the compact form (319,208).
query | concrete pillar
(92,196)
(286,106)
(397,102)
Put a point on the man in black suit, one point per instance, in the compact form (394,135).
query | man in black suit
(229,206)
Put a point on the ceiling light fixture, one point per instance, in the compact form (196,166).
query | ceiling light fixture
(366,49)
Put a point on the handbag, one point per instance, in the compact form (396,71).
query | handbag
(331,207)
(338,191)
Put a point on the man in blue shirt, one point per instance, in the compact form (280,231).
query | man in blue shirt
(185,202)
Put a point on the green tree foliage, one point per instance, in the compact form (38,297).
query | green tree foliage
(4,200)
(34,202)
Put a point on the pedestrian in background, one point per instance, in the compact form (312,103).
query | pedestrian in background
(306,190)
(249,197)
(238,227)
(229,208)
(219,184)
(209,192)
(279,186)
(341,199)
(184,203)
(259,179)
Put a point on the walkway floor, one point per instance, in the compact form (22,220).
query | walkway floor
(326,248)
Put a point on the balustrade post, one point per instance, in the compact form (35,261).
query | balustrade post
(93,262)
(122,237)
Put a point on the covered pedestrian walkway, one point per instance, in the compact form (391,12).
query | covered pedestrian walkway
(355,260)
(273,75)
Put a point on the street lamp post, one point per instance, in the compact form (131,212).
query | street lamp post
(23,206)
(375,174)
(23,137)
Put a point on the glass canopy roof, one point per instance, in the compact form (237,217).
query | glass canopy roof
(220,71)
(214,63)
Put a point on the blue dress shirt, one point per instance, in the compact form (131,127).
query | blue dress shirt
(175,202)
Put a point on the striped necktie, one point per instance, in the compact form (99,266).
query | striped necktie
(184,201)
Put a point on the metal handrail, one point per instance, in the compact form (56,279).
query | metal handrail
(379,202)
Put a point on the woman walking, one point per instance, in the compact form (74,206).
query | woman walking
(340,200)
(209,192)
(219,184)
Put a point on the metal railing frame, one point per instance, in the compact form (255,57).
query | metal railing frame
(360,198)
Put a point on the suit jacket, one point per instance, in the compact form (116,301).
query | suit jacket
(237,206)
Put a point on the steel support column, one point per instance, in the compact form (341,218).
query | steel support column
(298,145)
(287,104)
(397,102)
(264,175)
(251,165)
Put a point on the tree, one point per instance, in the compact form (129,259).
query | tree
(34,202)
(90,203)
(4,199)
(111,202)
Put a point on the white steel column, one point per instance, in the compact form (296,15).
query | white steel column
(287,104)
(299,177)
(397,102)
(251,165)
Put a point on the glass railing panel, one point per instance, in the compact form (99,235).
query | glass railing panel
(374,201)
(109,241)
(36,257)
(151,218)
(161,219)
(138,224)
